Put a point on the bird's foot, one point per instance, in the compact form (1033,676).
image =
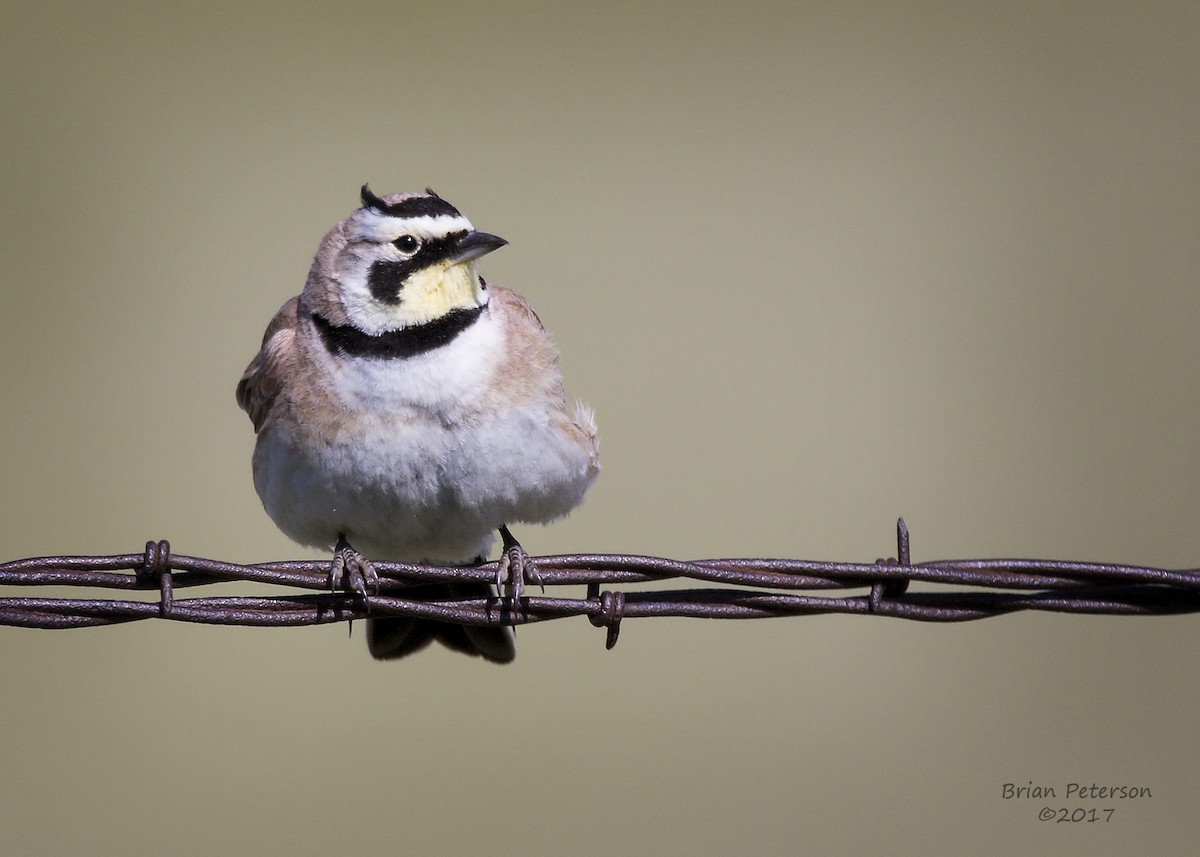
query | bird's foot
(354,567)
(515,568)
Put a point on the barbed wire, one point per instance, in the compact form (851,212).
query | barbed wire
(738,589)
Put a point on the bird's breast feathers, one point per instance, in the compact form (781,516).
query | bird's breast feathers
(419,457)
(442,383)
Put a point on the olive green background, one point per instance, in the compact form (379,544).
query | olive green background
(815,266)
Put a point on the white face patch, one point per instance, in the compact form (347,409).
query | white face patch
(370,225)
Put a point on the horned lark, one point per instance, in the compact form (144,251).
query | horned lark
(407,409)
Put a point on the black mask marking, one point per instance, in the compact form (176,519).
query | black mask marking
(386,279)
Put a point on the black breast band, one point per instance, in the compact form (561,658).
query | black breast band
(406,342)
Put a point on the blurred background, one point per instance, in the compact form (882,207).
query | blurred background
(815,265)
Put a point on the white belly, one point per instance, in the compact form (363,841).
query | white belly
(422,491)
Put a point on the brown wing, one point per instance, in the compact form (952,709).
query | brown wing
(531,368)
(262,381)
(531,371)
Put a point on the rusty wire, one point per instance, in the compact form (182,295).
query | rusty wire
(738,589)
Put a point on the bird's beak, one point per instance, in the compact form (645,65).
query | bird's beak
(475,244)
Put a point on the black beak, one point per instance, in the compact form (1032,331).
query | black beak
(475,244)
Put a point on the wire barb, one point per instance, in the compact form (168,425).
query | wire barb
(731,589)
(893,587)
(156,571)
(611,609)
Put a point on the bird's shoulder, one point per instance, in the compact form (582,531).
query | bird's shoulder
(529,371)
(524,330)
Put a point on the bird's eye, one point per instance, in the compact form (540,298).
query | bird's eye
(407,244)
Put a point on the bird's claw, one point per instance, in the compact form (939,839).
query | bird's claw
(515,568)
(356,568)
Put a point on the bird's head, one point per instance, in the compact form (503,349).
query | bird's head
(400,261)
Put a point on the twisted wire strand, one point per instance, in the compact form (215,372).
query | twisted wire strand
(736,588)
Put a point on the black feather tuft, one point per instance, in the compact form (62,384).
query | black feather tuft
(370,200)
(414,206)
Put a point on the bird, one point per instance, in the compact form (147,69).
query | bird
(406,410)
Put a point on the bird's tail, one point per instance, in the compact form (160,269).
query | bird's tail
(391,638)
